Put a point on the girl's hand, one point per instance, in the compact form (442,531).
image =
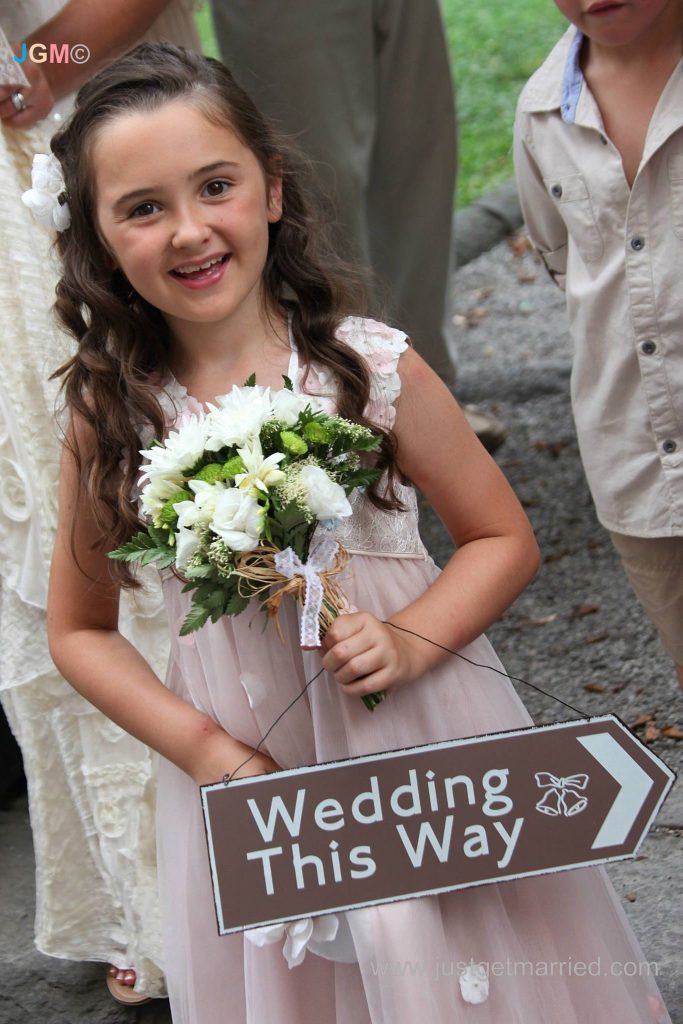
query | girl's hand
(366,655)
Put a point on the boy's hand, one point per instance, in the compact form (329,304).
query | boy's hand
(366,655)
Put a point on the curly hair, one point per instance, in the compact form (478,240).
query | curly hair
(112,382)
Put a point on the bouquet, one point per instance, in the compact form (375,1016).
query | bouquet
(233,497)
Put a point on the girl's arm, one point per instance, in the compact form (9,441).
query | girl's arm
(105,668)
(496,556)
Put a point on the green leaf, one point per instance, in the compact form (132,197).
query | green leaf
(288,384)
(196,617)
(133,549)
(250,382)
(236,604)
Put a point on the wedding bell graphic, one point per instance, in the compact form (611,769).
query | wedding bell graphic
(561,797)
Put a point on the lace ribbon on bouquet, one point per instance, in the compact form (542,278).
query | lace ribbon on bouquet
(283,572)
(321,559)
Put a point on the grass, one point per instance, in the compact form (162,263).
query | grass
(495,46)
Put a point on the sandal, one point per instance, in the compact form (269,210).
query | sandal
(123,993)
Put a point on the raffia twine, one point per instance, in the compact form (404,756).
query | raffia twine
(257,569)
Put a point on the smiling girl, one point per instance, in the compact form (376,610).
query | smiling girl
(191,262)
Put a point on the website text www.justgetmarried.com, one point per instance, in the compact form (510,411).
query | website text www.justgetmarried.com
(516,968)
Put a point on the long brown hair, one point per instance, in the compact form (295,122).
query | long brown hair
(112,381)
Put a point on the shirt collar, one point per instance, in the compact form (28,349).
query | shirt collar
(572,81)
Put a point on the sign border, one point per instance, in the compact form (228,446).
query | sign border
(405,752)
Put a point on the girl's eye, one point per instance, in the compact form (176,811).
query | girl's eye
(216,188)
(144,210)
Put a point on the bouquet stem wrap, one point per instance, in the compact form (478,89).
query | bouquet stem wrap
(321,559)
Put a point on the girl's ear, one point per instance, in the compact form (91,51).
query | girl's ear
(274,198)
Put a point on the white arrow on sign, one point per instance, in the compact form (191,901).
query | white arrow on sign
(635,785)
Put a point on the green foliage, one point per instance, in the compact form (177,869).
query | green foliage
(232,467)
(495,47)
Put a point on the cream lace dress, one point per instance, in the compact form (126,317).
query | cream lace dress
(244,677)
(91,786)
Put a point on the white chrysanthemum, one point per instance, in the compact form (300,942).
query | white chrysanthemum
(288,405)
(180,450)
(261,473)
(237,417)
(238,519)
(325,498)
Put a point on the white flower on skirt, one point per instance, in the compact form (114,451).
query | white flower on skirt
(474,983)
(297,935)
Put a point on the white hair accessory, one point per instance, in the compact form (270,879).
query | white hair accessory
(47,198)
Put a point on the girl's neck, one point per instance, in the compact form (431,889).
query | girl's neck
(209,358)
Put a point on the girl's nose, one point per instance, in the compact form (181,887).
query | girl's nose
(189,230)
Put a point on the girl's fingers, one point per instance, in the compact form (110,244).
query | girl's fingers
(375,682)
(359,666)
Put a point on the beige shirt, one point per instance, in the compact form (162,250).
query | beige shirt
(618,253)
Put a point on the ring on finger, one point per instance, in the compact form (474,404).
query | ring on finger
(18,101)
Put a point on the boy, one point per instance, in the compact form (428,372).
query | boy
(599,164)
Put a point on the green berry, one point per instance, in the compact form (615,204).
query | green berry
(292,443)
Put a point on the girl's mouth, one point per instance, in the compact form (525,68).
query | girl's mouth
(203,274)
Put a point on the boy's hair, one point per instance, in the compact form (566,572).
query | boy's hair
(112,381)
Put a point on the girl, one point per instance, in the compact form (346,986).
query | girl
(190,263)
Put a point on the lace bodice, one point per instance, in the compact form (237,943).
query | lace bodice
(369,530)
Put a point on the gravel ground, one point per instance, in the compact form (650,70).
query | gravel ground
(576,625)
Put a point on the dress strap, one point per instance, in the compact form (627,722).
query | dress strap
(381,347)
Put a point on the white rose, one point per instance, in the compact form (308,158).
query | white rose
(325,498)
(238,520)
(237,417)
(287,405)
(200,510)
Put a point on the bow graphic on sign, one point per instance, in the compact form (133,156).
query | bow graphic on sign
(561,798)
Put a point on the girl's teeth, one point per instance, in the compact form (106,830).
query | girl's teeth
(203,266)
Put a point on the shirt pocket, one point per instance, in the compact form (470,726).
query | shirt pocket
(570,194)
(676,186)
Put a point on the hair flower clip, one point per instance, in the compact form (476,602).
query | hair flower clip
(47,198)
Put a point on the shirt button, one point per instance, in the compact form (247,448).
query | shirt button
(669,447)
(648,348)
(556,190)
(637,243)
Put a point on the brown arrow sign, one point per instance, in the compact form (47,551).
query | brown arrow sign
(429,820)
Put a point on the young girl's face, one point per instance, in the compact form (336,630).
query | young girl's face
(184,207)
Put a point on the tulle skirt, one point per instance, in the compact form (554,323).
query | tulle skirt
(556,948)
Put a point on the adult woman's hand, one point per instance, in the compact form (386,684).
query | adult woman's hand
(37,95)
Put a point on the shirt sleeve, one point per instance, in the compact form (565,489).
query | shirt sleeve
(546,228)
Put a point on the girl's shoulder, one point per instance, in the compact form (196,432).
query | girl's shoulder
(380,346)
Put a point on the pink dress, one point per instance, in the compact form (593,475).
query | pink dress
(243,678)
